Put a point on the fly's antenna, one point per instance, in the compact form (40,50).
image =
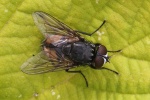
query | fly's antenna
(107,60)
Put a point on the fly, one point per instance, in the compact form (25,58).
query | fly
(64,49)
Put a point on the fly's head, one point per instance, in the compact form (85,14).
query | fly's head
(101,57)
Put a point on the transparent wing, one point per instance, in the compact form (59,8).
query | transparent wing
(40,63)
(50,25)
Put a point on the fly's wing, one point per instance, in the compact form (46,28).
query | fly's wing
(50,25)
(40,63)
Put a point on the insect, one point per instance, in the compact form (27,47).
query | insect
(64,48)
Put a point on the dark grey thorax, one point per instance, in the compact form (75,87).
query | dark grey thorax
(79,52)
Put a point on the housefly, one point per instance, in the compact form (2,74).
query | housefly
(64,48)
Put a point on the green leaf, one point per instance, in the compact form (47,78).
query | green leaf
(127,28)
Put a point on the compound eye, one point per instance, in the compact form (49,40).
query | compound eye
(102,50)
(98,62)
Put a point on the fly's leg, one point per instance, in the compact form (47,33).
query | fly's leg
(115,51)
(109,70)
(112,54)
(67,70)
(94,31)
(107,58)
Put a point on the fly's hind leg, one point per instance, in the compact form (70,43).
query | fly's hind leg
(80,72)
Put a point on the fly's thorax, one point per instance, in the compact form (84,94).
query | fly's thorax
(101,57)
(79,52)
